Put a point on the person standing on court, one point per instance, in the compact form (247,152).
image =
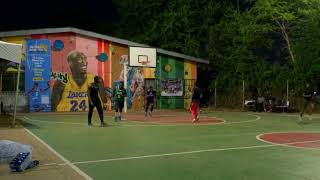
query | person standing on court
(195,103)
(94,101)
(308,95)
(119,95)
(150,100)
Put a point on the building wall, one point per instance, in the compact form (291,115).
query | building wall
(176,71)
(111,71)
(190,76)
(118,51)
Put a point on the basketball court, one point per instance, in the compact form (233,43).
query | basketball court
(232,145)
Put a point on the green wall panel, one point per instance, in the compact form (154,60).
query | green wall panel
(177,72)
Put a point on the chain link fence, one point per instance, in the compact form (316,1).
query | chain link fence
(8,100)
(243,96)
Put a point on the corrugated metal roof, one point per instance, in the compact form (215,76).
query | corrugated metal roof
(97,35)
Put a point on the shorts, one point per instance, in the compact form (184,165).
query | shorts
(118,104)
(150,101)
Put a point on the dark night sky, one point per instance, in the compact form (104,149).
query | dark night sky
(98,16)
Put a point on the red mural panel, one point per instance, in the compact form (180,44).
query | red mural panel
(104,67)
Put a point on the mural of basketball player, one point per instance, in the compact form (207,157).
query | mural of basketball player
(124,61)
(72,96)
(135,86)
(36,88)
(36,92)
(137,83)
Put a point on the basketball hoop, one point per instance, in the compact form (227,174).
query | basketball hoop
(143,57)
(144,63)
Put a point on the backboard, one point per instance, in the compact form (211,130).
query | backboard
(142,57)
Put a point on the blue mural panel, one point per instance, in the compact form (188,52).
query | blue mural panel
(38,74)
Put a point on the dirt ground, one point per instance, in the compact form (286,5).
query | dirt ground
(49,168)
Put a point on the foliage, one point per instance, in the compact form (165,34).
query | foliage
(263,42)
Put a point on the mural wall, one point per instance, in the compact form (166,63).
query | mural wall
(169,68)
(38,74)
(78,65)
(76,59)
(190,76)
(135,76)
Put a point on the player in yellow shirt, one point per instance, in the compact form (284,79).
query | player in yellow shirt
(72,96)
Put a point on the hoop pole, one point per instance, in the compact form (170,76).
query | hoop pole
(125,66)
(16,102)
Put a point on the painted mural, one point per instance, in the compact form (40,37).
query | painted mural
(135,83)
(72,95)
(190,76)
(76,59)
(170,68)
(73,75)
(38,73)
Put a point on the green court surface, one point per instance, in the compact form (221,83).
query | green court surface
(141,150)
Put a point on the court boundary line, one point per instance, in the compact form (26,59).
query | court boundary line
(187,152)
(67,162)
(68,123)
(147,124)
(258,137)
(257,119)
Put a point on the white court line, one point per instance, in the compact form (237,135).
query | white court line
(67,162)
(149,124)
(209,124)
(288,144)
(257,119)
(49,164)
(54,122)
(68,123)
(187,152)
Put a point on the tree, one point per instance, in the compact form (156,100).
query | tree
(240,38)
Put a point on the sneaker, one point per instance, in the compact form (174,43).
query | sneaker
(103,124)
(300,118)
(90,125)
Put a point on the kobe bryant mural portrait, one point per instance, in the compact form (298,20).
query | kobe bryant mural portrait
(72,95)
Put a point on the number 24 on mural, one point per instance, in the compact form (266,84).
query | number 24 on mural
(76,106)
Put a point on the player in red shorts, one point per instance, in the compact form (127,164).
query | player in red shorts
(195,104)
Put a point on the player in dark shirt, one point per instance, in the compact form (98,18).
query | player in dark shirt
(150,100)
(195,104)
(119,98)
(94,100)
(309,95)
